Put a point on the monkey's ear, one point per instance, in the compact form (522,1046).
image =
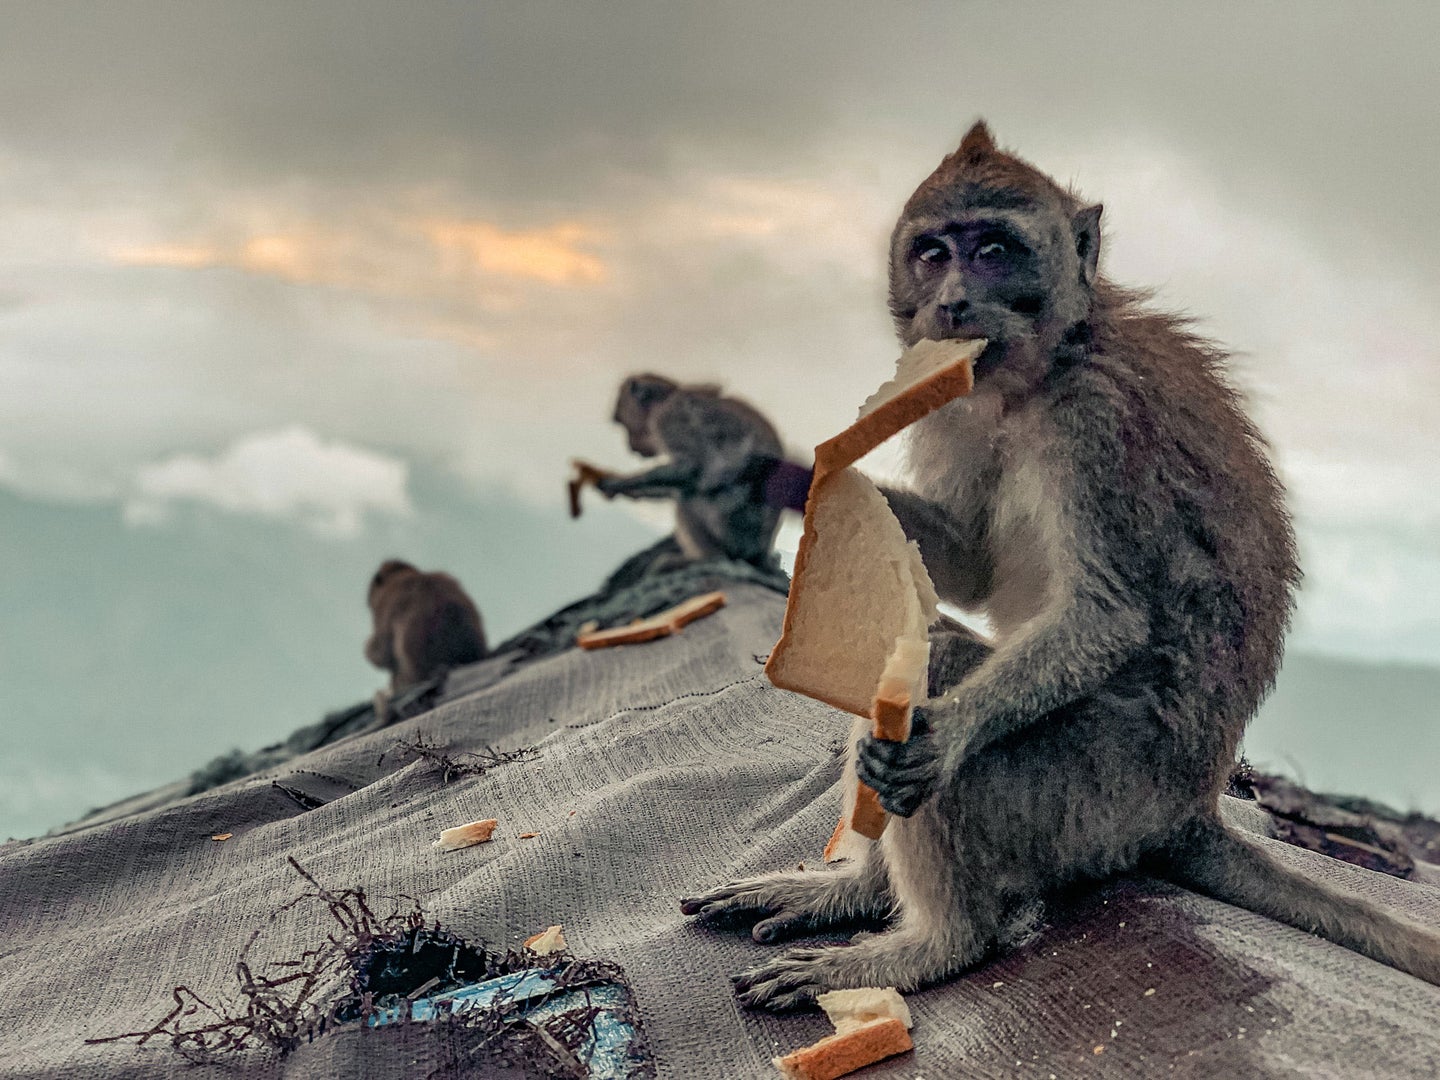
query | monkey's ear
(1086,227)
(978,143)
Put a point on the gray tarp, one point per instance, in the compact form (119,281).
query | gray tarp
(662,769)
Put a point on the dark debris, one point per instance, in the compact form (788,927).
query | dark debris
(456,764)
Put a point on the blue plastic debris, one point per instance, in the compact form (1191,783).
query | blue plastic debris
(610,1048)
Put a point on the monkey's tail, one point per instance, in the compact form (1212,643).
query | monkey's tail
(1217,862)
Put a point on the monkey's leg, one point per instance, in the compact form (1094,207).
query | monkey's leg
(799,900)
(948,922)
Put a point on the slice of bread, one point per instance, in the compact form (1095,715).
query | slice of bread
(661,625)
(548,941)
(839,1054)
(463,836)
(928,375)
(858,587)
(856,632)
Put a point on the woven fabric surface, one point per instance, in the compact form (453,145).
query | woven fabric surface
(660,770)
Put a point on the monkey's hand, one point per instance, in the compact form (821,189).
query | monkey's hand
(903,774)
(584,474)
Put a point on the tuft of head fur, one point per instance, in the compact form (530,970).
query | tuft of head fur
(388,571)
(978,163)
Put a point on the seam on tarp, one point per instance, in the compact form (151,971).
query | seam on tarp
(671,701)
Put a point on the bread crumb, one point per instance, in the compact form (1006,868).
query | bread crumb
(463,836)
(547,941)
(222,836)
(528,835)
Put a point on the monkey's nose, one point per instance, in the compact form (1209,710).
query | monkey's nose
(952,314)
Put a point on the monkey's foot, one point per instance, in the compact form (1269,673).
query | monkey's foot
(796,902)
(899,959)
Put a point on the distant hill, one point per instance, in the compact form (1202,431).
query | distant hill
(1354,727)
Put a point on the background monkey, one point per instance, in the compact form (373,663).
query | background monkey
(720,454)
(424,624)
(1103,498)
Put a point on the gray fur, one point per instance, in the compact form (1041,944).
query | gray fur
(1103,498)
(717,452)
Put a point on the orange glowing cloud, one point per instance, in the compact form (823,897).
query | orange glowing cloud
(552,255)
(396,256)
(178,256)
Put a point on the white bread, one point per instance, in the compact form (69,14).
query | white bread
(848,1009)
(839,1054)
(928,375)
(856,632)
(661,625)
(463,836)
(859,588)
(548,941)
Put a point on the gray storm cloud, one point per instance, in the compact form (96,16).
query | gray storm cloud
(444,231)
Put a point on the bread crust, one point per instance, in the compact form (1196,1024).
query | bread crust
(837,1055)
(667,622)
(918,401)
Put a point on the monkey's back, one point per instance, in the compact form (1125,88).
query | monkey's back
(737,445)
(436,623)
(1197,505)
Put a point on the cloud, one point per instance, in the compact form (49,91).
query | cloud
(291,473)
(553,255)
(386,253)
(469,226)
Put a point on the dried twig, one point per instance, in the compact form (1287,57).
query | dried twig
(388,962)
(458,764)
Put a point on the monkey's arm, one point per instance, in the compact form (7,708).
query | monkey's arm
(1062,655)
(1068,651)
(958,565)
(667,481)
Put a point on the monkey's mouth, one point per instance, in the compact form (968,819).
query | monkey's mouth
(990,359)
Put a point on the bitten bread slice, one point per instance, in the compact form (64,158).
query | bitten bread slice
(661,625)
(859,587)
(839,1054)
(856,632)
(928,375)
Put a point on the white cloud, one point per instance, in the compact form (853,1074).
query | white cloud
(291,473)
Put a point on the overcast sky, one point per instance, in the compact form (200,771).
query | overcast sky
(270,257)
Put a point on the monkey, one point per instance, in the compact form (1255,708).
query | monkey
(1105,500)
(720,453)
(424,624)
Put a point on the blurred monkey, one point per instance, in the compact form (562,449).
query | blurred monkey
(424,624)
(720,455)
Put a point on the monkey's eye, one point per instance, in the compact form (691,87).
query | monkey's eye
(930,251)
(994,249)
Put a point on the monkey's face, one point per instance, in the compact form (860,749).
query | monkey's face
(1012,276)
(990,247)
(639,396)
(634,417)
